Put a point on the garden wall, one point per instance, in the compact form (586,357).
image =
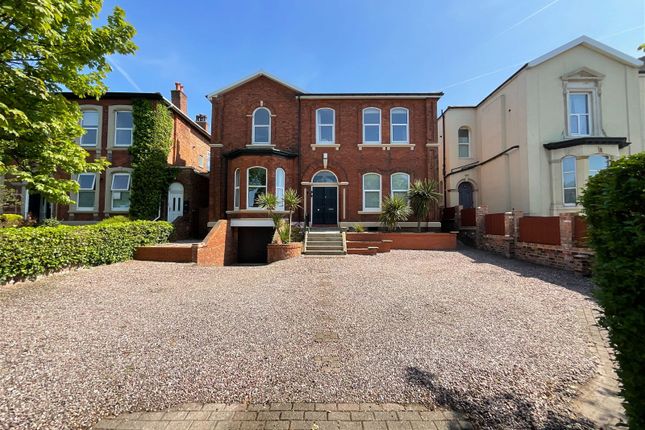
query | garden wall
(549,241)
(218,247)
(405,240)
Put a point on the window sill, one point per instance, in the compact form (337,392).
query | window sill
(260,145)
(386,146)
(370,212)
(315,146)
(111,148)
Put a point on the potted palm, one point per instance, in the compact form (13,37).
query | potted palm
(281,247)
(423,195)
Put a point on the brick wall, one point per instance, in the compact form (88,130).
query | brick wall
(565,255)
(218,248)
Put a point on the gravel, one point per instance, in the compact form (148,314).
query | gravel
(498,339)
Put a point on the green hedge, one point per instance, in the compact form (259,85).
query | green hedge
(614,203)
(31,251)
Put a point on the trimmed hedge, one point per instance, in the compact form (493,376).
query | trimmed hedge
(614,203)
(31,251)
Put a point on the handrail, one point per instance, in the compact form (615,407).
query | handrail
(477,163)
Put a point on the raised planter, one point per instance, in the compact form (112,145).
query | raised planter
(409,240)
(277,252)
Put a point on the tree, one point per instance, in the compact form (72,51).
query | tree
(395,210)
(423,194)
(291,203)
(46,46)
(613,205)
(269,202)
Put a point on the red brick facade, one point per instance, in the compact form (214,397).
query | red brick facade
(293,146)
(190,152)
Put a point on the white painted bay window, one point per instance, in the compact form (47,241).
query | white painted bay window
(256,185)
(569,194)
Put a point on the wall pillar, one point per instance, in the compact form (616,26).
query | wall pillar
(480,224)
(566,230)
(458,217)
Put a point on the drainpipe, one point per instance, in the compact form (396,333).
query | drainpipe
(299,176)
(443,156)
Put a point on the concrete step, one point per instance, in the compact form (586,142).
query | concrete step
(324,252)
(363,251)
(323,238)
(322,248)
(325,242)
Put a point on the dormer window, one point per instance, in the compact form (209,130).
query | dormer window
(261,126)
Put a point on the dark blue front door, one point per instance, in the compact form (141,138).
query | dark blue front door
(325,204)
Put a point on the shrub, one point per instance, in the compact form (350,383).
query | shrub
(31,251)
(395,210)
(11,220)
(115,219)
(423,195)
(613,203)
(358,228)
(50,222)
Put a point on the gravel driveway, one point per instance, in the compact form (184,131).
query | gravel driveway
(500,340)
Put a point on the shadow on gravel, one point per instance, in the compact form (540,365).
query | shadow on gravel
(502,411)
(562,278)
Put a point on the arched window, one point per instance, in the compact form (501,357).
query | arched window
(325,126)
(400,185)
(236,189)
(569,181)
(597,162)
(372,125)
(90,124)
(261,126)
(399,125)
(463,136)
(325,176)
(256,185)
(465,190)
(279,187)
(371,192)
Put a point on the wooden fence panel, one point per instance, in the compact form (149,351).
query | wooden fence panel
(495,224)
(540,229)
(468,217)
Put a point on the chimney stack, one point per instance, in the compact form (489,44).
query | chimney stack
(201,121)
(178,98)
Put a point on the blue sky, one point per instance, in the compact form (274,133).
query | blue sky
(464,48)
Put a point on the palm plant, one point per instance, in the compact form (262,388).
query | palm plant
(291,203)
(423,195)
(395,210)
(269,202)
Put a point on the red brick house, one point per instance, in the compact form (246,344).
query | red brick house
(108,133)
(342,152)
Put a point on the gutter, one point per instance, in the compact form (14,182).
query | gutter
(443,156)
(477,163)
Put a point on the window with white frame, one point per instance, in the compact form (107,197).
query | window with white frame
(90,124)
(208,162)
(399,125)
(261,126)
(279,187)
(325,126)
(463,138)
(400,185)
(120,190)
(579,104)
(86,191)
(256,185)
(123,128)
(236,189)
(597,162)
(371,126)
(372,192)
(200,161)
(569,181)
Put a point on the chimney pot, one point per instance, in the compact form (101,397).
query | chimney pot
(201,121)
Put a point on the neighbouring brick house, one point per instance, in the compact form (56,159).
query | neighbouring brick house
(342,152)
(108,133)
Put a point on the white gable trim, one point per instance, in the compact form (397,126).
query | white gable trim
(248,79)
(593,45)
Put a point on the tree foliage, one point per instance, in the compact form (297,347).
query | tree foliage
(45,47)
(151,143)
(613,202)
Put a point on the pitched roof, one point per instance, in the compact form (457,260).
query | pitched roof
(249,79)
(593,45)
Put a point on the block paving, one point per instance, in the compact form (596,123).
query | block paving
(290,416)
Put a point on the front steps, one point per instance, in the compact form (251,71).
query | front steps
(324,242)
